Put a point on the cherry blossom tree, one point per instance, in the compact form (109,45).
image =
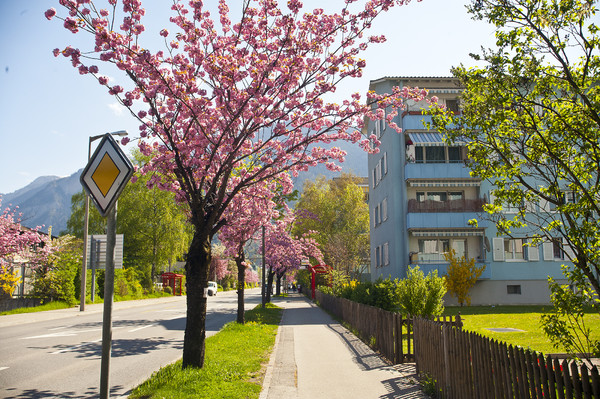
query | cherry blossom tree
(226,106)
(285,253)
(17,243)
(247,213)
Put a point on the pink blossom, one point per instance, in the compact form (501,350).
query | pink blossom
(71,25)
(164,33)
(103,80)
(50,13)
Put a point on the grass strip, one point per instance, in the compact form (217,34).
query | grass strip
(55,305)
(233,365)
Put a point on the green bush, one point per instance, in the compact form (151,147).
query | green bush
(421,295)
(416,295)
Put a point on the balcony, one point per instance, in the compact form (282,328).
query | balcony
(443,267)
(444,220)
(459,205)
(437,171)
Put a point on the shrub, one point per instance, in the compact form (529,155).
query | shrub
(420,295)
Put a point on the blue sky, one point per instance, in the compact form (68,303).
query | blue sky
(48,110)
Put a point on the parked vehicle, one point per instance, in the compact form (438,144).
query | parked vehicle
(212,288)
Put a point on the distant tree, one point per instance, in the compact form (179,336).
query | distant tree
(461,276)
(337,211)
(531,119)
(18,244)
(54,280)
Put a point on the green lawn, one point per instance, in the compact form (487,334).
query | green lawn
(527,318)
(48,306)
(233,366)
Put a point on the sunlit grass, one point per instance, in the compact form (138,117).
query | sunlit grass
(232,366)
(48,306)
(527,318)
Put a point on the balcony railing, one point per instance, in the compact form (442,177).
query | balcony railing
(463,205)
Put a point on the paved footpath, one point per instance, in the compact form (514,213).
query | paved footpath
(316,357)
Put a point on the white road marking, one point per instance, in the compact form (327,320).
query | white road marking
(3,368)
(141,328)
(62,334)
(59,328)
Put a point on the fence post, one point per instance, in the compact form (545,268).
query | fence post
(447,395)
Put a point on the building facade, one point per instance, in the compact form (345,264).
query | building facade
(422,197)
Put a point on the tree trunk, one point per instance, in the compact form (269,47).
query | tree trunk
(196,267)
(269,287)
(278,285)
(241,285)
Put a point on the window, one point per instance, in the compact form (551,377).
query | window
(440,196)
(514,249)
(438,154)
(513,289)
(452,106)
(432,250)
(460,247)
(455,195)
(435,154)
(454,154)
(419,150)
(557,249)
(377,257)
(566,197)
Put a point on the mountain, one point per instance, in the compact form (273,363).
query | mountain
(356,162)
(45,202)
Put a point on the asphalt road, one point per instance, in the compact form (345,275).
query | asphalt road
(57,354)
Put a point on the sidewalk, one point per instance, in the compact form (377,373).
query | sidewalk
(316,357)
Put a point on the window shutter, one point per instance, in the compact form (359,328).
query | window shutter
(377,130)
(569,252)
(386,254)
(385,163)
(498,244)
(544,205)
(384,210)
(374,177)
(548,251)
(533,252)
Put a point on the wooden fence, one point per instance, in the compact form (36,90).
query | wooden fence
(468,365)
(389,333)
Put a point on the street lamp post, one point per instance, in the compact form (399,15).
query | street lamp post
(121,133)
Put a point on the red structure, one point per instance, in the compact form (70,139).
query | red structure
(173,280)
(314,270)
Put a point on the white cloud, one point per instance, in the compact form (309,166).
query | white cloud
(116,108)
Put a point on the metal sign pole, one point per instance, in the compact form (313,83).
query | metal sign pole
(109,282)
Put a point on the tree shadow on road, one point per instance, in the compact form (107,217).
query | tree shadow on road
(92,392)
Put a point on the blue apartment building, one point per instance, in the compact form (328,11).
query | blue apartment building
(422,196)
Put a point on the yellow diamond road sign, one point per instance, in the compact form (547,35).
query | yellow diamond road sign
(106,174)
